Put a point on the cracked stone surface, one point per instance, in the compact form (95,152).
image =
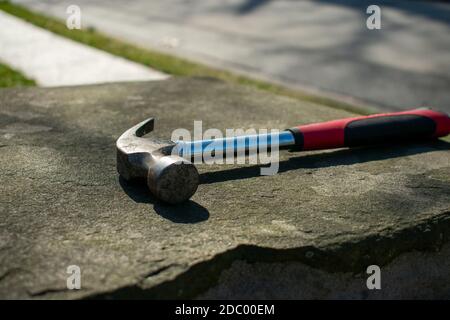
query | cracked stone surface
(62,202)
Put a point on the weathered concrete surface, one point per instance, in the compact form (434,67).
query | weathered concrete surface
(63,204)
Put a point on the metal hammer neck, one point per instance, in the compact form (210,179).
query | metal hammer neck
(239,145)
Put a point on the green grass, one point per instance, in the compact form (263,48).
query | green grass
(13,78)
(161,61)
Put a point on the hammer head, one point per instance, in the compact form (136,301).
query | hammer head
(169,177)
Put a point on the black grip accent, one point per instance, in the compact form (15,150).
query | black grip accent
(388,129)
(298,137)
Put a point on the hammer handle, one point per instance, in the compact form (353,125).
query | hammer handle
(411,125)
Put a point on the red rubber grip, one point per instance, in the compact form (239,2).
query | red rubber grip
(418,123)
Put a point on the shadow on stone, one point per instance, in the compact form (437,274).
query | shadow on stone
(328,159)
(188,212)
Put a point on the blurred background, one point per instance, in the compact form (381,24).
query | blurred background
(316,46)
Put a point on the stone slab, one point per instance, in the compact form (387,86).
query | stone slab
(62,202)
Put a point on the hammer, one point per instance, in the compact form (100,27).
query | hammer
(173,178)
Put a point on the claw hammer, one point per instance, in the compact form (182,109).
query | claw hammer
(173,178)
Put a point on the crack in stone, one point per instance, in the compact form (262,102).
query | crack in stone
(159,270)
(10,272)
(44,292)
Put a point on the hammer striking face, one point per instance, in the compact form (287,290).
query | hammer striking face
(174,179)
(170,178)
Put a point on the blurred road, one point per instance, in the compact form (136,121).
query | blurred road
(318,45)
